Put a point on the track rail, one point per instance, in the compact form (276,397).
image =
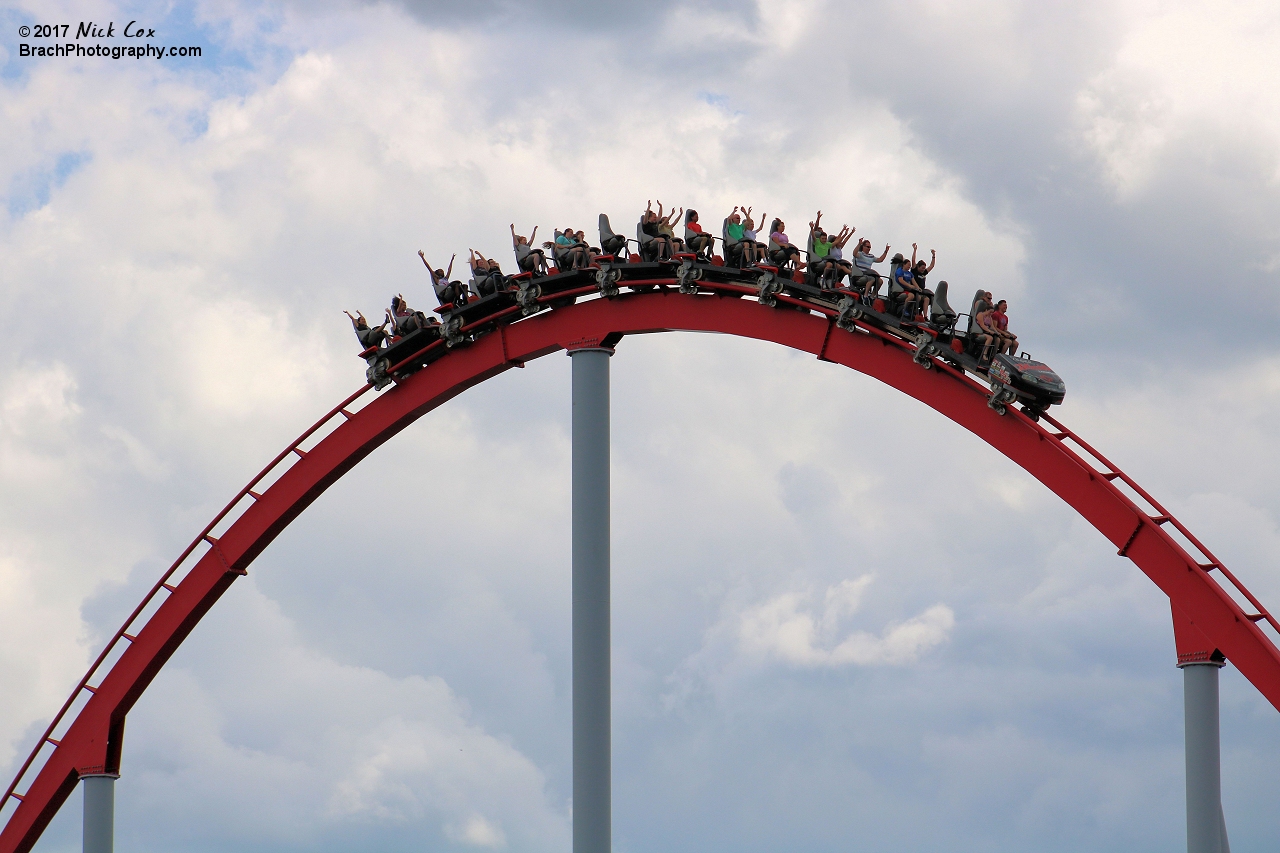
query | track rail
(90,740)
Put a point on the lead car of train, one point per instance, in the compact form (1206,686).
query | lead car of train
(495,299)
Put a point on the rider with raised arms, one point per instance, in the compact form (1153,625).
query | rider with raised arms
(867,279)
(528,258)
(447,292)
(370,337)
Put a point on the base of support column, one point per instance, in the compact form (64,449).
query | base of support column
(99,813)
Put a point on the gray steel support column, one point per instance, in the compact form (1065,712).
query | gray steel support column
(592,819)
(1206,827)
(99,813)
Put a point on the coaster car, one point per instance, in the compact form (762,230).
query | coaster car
(1028,380)
(398,355)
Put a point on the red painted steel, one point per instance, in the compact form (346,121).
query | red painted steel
(1203,610)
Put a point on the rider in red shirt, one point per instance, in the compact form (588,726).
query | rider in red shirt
(1008,342)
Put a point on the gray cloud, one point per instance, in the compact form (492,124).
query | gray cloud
(424,599)
(555,22)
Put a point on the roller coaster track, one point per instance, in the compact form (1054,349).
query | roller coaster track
(1212,610)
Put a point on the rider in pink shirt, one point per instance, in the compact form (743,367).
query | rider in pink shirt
(782,250)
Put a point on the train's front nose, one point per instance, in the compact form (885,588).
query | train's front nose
(1042,381)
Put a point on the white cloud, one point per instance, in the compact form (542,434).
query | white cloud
(1183,73)
(784,629)
(298,746)
(478,832)
(38,405)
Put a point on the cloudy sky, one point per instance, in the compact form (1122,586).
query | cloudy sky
(812,652)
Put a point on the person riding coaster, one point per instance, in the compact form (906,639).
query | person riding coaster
(373,339)
(568,251)
(759,250)
(826,266)
(920,272)
(593,252)
(864,278)
(835,254)
(738,250)
(487,277)
(370,337)
(528,258)
(655,244)
(895,292)
(447,292)
(987,332)
(781,251)
(981,302)
(404,320)
(904,292)
(1006,342)
(695,239)
(667,226)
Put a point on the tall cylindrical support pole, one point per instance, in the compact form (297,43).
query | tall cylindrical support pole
(592,820)
(99,813)
(1206,828)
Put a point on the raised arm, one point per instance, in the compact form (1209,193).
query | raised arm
(913,255)
(448,273)
(933,259)
(533,235)
(514,242)
(431,272)
(813,226)
(883,254)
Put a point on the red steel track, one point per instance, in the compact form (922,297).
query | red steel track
(1207,616)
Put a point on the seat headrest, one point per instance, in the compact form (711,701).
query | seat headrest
(939,309)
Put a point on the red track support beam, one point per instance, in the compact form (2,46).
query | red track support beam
(1206,617)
